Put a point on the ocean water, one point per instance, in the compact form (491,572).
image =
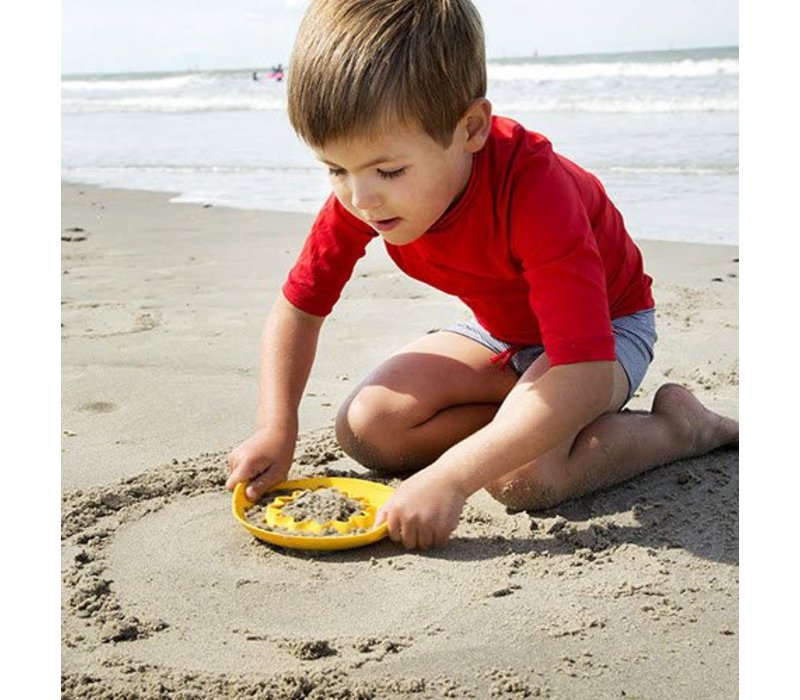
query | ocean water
(660,129)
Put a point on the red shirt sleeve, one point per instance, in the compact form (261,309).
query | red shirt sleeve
(552,237)
(337,241)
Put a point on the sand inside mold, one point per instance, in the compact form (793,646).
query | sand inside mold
(321,506)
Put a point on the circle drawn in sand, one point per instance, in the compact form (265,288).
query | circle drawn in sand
(300,596)
(165,595)
(136,584)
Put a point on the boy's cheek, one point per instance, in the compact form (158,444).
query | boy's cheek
(343,200)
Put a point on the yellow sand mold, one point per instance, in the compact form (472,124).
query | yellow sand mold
(358,530)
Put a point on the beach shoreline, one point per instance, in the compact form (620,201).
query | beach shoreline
(632,590)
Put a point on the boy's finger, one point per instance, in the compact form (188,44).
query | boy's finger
(239,473)
(233,460)
(233,478)
(395,530)
(425,539)
(248,470)
(409,536)
(260,484)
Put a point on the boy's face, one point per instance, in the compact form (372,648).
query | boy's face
(399,181)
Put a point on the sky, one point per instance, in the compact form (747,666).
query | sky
(113,36)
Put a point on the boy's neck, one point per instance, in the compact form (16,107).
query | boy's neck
(464,186)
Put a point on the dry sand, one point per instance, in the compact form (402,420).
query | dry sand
(632,592)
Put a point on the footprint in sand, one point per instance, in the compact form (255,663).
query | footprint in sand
(73,239)
(98,407)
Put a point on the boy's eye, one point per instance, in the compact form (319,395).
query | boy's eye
(384,174)
(391,174)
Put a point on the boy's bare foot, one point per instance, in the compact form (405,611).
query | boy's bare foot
(699,429)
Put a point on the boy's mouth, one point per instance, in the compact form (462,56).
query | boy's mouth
(384,225)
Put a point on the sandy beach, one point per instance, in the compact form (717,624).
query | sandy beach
(631,592)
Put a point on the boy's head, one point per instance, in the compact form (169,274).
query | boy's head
(362,65)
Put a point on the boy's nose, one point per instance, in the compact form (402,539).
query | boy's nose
(364,197)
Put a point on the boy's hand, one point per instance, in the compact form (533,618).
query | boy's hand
(263,459)
(423,511)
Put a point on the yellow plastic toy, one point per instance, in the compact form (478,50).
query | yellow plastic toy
(370,494)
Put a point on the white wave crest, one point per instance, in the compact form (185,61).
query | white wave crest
(686,68)
(671,170)
(621,106)
(174,104)
(171,82)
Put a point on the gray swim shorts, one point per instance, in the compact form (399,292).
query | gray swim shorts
(634,336)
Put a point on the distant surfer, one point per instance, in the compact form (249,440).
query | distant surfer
(274,73)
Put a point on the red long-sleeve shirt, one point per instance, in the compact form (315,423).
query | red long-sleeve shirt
(534,247)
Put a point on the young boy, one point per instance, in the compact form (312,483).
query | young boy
(525,400)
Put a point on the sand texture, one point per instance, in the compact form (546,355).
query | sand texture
(310,513)
(321,506)
(628,593)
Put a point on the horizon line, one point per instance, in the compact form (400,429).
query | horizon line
(490,59)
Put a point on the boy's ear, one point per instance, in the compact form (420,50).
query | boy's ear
(476,122)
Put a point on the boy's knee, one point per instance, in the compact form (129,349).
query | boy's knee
(362,425)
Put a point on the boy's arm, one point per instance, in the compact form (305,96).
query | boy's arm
(288,346)
(533,419)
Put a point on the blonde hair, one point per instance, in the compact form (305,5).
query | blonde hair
(358,65)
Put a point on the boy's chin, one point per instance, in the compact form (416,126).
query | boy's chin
(397,231)
(400,238)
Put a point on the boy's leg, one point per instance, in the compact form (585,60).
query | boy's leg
(427,397)
(616,446)
(441,388)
